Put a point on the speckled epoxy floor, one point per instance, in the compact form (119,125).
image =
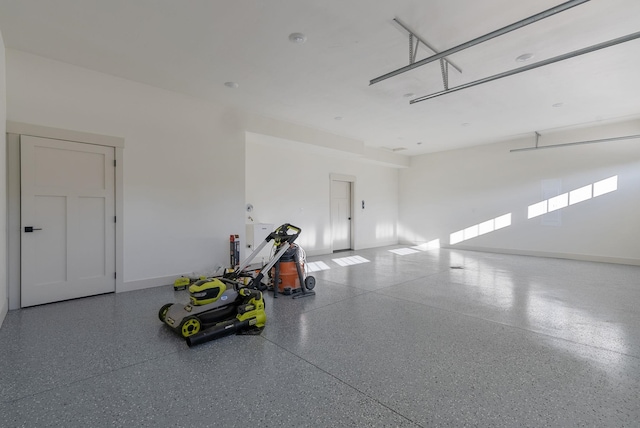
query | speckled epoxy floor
(507,341)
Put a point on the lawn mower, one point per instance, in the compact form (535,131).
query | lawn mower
(231,303)
(217,307)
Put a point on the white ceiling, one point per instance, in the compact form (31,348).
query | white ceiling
(194,46)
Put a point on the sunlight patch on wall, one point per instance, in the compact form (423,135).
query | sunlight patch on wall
(348,261)
(502,221)
(471,232)
(326,237)
(385,231)
(605,186)
(480,229)
(486,227)
(456,237)
(317,266)
(558,202)
(573,197)
(580,195)
(309,238)
(404,251)
(431,245)
(537,209)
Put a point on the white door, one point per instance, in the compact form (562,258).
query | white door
(341,215)
(67,220)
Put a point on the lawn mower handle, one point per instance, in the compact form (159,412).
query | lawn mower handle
(281,233)
(280,237)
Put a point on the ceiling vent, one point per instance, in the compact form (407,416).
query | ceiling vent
(394,149)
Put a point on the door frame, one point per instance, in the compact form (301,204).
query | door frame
(351,179)
(14,131)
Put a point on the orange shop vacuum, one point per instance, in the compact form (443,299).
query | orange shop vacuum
(287,275)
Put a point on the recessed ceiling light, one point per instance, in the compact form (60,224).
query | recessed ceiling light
(338,118)
(297,38)
(524,57)
(419,143)
(557,105)
(466,124)
(408,95)
(232,85)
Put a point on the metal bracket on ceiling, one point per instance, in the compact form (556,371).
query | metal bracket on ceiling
(444,68)
(413,52)
(440,55)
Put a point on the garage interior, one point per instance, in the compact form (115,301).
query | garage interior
(465,175)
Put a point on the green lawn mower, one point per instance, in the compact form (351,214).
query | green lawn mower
(218,307)
(233,302)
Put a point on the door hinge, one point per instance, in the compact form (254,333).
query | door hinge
(114,162)
(115,219)
(115,275)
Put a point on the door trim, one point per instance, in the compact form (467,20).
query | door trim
(353,224)
(14,130)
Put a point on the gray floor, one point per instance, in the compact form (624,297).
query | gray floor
(402,340)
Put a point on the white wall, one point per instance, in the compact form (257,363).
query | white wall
(292,185)
(4,286)
(183,161)
(447,192)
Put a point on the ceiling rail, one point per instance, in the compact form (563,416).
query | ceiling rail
(558,58)
(522,23)
(553,146)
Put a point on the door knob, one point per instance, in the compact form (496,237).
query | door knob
(28,229)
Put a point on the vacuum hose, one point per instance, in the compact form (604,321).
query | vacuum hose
(219,330)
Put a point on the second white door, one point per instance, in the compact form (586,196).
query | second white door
(341,215)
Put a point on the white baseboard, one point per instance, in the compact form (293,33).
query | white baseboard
(320,252)
(147,283)
(569,256)
(325,251)
(377,244)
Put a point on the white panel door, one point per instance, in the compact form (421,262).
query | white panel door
(341,215)
(67,220)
